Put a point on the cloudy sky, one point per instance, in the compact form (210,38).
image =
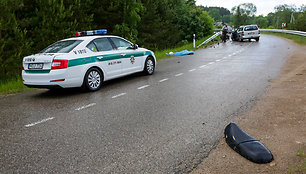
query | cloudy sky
(263,6)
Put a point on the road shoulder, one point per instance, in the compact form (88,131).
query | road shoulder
(278,120)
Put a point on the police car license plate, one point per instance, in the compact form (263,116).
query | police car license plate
(35,66)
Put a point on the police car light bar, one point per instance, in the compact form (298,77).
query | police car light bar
(89,33)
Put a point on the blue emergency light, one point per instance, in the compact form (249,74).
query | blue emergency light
(92,32)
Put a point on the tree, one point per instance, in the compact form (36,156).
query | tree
(301,22)
(215,14)
(131,17)
(244,13)
(192,20)
(248,9)
(157,29)
(283,15)
(13,44)
(237,17)
(261,21)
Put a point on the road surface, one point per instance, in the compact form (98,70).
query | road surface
(164,123)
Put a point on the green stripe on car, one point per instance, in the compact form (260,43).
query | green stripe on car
(92,59)
(38,71)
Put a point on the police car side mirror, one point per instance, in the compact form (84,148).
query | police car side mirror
(135,46)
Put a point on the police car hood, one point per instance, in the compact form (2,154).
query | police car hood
(41,57)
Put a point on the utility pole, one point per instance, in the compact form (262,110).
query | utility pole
(277,22)
(292,18)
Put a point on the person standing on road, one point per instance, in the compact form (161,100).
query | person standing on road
(224,32)
(225,28)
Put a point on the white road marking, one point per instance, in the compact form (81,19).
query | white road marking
(211,63)
(38,122)
(163,80)
(202,66)
(86,106)
(179,74)
(218,60)
(142,87)
(192,70)
(115,96)
(230,55)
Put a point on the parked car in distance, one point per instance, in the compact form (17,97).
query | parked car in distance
(246,32)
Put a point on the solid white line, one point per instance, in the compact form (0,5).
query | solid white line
(115,96)
(38,122)
(202,66)
(179,74)
(192,70)
(143,86)
(163,80)
(86,106)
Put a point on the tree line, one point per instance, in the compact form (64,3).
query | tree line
(28,26)
(243,14)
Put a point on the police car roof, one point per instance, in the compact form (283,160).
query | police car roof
(89,37)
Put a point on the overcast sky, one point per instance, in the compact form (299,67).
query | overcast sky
(263,6)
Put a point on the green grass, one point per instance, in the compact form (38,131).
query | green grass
(16,85)
(301,152)
(12,86)
(301,166)
(162,54)
(296,38)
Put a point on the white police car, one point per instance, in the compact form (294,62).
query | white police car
(86,60)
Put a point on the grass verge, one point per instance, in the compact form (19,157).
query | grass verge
(16,85)
(12,86)
(296,38)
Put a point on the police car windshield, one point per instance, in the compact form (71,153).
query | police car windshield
(62,46)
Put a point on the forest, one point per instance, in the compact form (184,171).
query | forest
(28,26)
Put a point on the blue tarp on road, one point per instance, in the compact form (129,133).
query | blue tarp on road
(181,53)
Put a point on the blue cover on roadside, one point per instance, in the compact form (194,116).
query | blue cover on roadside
(181,53)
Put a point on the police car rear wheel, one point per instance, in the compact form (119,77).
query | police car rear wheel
(149,66)
(93,79)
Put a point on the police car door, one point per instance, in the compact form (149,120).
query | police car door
(105,54)
(131,58)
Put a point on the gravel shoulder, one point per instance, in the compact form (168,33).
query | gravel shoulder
(278,120)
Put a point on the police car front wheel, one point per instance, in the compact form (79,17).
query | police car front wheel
(149,66)
(93,79)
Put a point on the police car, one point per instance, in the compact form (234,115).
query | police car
(86,61)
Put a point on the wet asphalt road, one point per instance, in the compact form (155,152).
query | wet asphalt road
(165,123)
